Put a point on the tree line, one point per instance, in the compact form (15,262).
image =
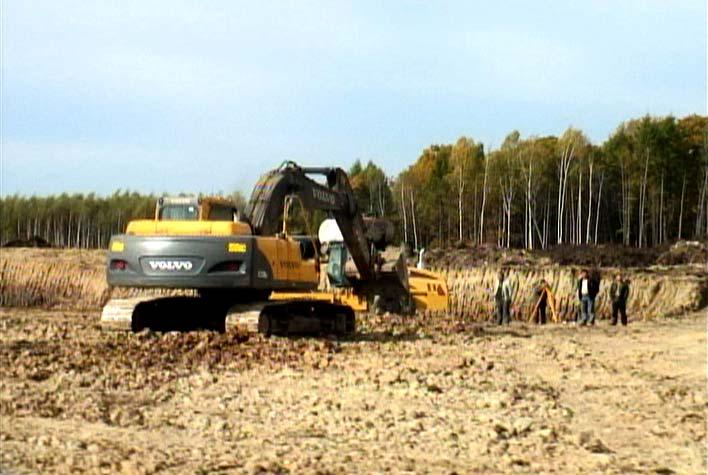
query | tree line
(76,220)
(646,185)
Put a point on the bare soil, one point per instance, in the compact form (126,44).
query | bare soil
(423,395)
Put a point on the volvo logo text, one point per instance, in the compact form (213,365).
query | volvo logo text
(171,265)
(323,195)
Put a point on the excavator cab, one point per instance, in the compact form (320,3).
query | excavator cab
(191,216)
(177,212)
(192,208)
(332,240)
(336,265)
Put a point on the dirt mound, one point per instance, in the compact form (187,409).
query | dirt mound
(72,279)
(685,252)
(463,257)
(606,255)
(34,241)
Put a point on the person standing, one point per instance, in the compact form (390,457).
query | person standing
(502,296)
(541,304)
(421,262)
(594,291)
(619,292)
(588,289)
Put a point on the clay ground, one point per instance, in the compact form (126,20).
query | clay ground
(432,396)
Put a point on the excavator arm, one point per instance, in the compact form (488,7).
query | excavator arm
(266,206)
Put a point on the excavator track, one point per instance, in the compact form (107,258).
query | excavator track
(306,317)
(285,318)
(176,313)
(117,314)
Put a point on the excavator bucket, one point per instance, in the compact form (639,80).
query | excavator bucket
(428,290)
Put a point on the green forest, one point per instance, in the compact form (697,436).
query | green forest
(646,185)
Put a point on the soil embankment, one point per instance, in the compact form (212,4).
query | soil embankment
(73,279)
(655,292)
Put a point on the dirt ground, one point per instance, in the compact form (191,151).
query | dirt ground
(435,395)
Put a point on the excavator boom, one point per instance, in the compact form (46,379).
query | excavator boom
(265,208)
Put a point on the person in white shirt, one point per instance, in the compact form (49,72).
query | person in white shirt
(421,262)
(588,288)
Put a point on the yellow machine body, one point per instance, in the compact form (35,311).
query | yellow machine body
(286,260)
(428,289)
(343,296)
(283,253)
(147,227)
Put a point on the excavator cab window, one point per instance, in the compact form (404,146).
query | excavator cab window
(222,213)
(179,212)
(308,248)
(296,218)
(336,264)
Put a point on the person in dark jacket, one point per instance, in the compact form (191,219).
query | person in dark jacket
(619,292)
(588,288)
(502,295)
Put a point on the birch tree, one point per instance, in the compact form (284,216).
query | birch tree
(484,198)
(569,145)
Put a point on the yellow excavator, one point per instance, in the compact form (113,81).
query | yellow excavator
(247,270)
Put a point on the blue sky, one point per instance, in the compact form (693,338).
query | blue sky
(169,96)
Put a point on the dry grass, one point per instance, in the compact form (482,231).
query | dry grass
(75,279)
(57,278)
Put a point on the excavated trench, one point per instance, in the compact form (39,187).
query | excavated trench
(654,292)
(75,280)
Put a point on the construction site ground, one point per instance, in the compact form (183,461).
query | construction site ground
(417,395)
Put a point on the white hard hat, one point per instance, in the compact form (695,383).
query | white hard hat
(330,232)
